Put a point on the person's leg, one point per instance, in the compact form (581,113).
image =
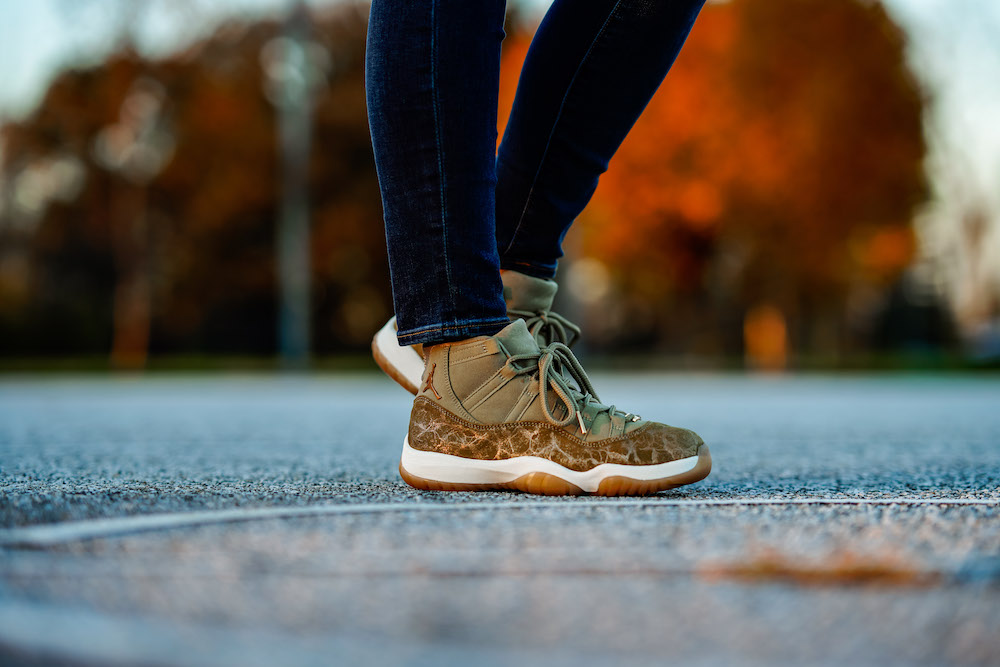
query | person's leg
(432,79)
(590,71)
(494,411)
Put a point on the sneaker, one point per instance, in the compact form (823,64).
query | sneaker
(498,412)
(527,298)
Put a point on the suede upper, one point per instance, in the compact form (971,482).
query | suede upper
(482,398)
(527,293)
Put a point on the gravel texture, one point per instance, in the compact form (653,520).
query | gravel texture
(573,583)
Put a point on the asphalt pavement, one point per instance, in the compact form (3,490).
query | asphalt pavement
(260,520)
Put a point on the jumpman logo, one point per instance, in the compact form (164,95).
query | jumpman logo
(429,382)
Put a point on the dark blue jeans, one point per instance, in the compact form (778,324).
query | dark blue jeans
(457,211)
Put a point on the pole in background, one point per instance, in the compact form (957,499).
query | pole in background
(287,71)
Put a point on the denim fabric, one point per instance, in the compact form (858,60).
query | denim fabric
(432,75)
(454,210)
(590,71)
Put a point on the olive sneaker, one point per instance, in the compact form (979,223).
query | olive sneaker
(498,412)
(527,298)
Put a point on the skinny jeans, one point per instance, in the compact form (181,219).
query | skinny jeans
(456,208)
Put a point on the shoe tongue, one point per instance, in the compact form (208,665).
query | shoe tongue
(517,339)
(524,292)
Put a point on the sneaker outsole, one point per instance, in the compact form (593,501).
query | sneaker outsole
(548,484)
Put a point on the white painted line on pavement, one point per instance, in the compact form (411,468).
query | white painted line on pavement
(46,535)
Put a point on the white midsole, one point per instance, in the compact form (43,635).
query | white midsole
(458,470)
(402,357)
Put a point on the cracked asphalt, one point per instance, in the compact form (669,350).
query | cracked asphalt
(898,571)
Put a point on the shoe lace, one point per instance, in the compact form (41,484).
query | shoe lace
(556,365)
(548,327)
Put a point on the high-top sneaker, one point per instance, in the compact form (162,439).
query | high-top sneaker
(498,412)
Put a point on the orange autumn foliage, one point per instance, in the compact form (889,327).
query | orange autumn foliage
(780,162)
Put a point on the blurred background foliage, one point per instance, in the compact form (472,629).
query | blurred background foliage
(761,212)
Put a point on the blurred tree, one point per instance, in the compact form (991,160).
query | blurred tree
(208,232)
(776,170)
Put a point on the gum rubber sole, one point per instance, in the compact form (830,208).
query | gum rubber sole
(546,484)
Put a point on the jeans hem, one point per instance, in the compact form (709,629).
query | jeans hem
(533,269)
(443,332)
